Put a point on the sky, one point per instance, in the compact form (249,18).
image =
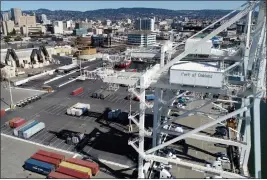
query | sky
(93,5)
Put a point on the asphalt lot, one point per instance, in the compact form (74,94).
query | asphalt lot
(52,111)
(18,94)
(104,139)
(15,152)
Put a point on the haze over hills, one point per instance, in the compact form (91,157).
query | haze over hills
(120,13)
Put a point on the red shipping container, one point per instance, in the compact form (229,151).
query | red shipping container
(19,123)
(77,91)
(73,173)
(51,154)
(3,113)
(93,166)
(11,122)
(46,159)
(57,175)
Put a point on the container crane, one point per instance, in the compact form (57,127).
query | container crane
(253,68)
(13,55)
(36,52)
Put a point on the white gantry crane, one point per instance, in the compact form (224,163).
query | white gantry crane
(252,88)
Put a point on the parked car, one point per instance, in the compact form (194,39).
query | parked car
(222,132)
(220,154)
(223,159)
(174,114)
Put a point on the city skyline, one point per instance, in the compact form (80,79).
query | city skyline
(87,5)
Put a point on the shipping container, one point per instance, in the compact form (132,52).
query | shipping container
(25,128)
(73,173)
(46,159)
(76,167)
(104,94)
(196,74)
(3,113)
(38,166)
(19,123)
(51,154)
(16,130)
(80,111)
(33,130)
(77,91)
(93,166)
(150,97)
(11,122)
(58,175)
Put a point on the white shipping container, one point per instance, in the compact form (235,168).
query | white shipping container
(196,74)
(204,48)
(16,131)
(69,111)
(35,129)
(73,111)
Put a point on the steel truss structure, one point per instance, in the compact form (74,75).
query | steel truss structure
(251,67)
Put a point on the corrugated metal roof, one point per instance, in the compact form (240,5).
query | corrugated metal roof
(193,66)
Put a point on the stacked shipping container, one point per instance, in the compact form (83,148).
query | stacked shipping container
(73,172)
(93,166)
(54,166)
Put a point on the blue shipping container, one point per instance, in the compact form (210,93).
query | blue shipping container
(27,127)
(150,97)
(39,166)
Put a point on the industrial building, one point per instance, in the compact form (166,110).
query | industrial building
(142,38)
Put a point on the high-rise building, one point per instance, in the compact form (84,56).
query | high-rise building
(83,25)
(27,21)
(58,27)
(145,24)
(5,16)
(16,14)
(7,27)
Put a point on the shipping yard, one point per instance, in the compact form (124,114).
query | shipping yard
(97,109)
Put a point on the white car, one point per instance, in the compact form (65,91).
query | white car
(179,129)
(223,159)
(208,165)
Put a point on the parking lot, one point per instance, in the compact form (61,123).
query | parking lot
(15,152)
(104,137)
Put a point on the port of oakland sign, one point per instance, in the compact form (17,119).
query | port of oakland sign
(194,74)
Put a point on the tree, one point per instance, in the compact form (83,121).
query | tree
(7,38)
(18,38)
(14,32)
